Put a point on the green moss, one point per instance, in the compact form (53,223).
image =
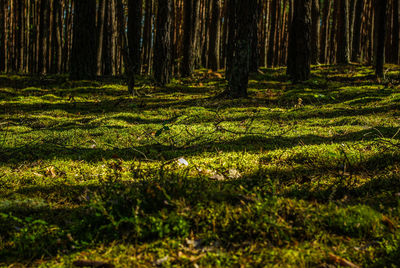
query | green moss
(283,178)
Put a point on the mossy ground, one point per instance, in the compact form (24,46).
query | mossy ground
(284,178)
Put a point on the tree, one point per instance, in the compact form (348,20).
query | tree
(83,56)
(315,30)
(356,43)
(162,47)
(134,32)
(396,30)
(380,6)
(272,34)
(189,36)
(343,52)
(2,37)
(240,46)
(299,54)
(215,30)
(324,43)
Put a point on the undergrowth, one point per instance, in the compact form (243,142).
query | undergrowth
(295,175)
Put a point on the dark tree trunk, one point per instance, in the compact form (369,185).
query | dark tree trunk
(255,55)
(2,38)
(162,47)
(343,52)
(101,21)
(239,43)
(189,36)
(356,43)
(134,32)
(396,31)
(315,45)
(83,57)
(380,16)
(147,36)
(215,30)
(272,34)
(299,55)
(325,32)
(352,11)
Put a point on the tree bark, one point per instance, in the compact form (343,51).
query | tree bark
(239,43)
(380,16)
(162,47)
(147,36)
(315,45)
(134,32)
(189,36)
(396,31)
(272,34)
(343,52)
(2,37)
(356,43)
(83,56)
(215,30)
(325,32)
(299,55)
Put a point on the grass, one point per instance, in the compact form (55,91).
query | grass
(296,175)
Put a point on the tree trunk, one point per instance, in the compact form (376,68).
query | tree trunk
(2,37)
(352,11)
(83,56)
(147,36)
(315,45)
(162,47)
(380,16)
(299,55)
(356,43)
(325,32)
(215,30)
(134,32)
(272,34)
(189,36)
(343,52)
(255,55)
(396,31)
(240,24)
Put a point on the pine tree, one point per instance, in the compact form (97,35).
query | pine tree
(83,56)
(299,54)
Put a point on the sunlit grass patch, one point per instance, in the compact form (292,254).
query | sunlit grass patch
(177,177)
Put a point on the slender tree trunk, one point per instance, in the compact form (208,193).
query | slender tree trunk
(343,52)
(396,31)
(240,24)
(162,47)
(380,16)
(147,30)
(83,57)
(299,58)
(315,45)
(271,39)
(189,38)
(325,31)
(101,19)
(352,11)
(215,30)
(2,37)
(356,43)
(135,32)
(254,60)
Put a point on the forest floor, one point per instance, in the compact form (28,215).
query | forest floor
(295,175)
